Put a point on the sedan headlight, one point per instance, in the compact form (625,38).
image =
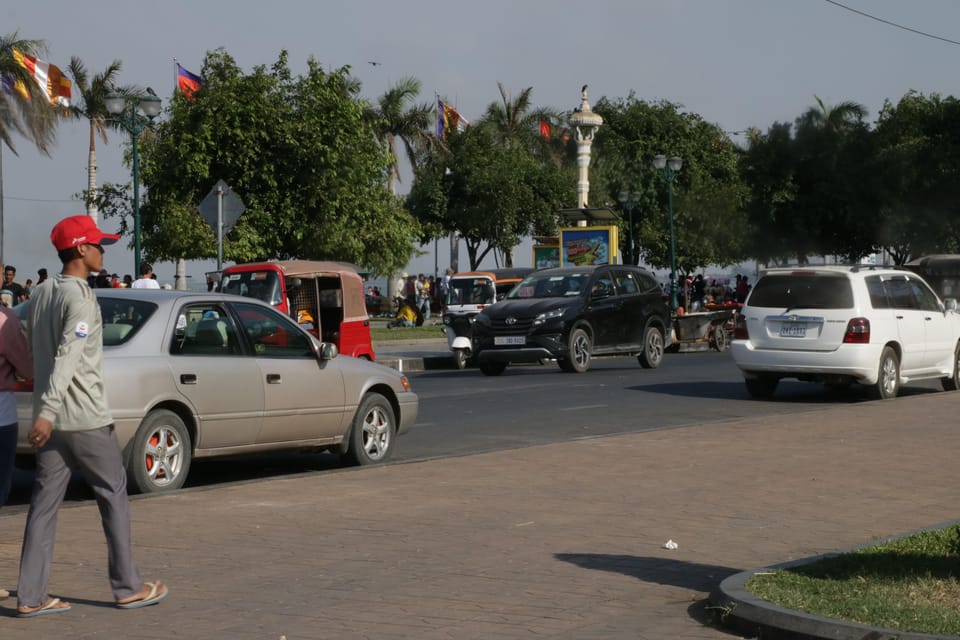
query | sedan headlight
(548,315)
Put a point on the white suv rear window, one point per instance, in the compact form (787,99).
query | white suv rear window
(802,291)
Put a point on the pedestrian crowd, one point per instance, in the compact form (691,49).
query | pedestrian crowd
(13,293)
(61,351)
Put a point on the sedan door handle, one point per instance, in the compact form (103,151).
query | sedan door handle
(273,378)
(188,378)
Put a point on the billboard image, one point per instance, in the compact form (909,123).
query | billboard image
(581,246)
(546,256)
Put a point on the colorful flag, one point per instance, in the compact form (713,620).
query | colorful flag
(545,129)
(48,76)
(448,119)
(187,82)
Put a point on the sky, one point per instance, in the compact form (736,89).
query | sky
(736,63)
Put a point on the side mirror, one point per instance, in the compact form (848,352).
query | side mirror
(950,304)
(327,351)
(599,294)
(292,284)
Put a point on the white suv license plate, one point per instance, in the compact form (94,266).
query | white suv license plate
(793,331)
(509,340)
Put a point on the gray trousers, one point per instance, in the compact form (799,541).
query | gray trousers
(97,456)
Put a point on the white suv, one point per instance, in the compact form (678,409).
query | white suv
(877,326)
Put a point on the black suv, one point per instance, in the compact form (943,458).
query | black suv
(573,314)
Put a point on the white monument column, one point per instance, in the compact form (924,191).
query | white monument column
(585,123)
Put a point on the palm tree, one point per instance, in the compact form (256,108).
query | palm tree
(515,122)
(94,91)
(30,115)
(394,119)
(839,118)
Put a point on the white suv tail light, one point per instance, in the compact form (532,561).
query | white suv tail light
(858,331)
(740,328)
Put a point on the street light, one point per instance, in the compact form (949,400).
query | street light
(630,200)
(669,168)
(124,110)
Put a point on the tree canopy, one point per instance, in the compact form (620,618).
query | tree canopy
(299,152)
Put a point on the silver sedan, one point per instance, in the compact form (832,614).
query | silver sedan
(193,375)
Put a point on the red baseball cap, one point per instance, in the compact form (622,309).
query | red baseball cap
(77,230)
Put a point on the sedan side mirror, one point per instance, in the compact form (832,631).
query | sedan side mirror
(327,351)
(950,304)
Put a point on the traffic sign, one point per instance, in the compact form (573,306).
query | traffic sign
(221,198)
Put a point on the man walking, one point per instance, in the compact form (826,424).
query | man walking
(72,426)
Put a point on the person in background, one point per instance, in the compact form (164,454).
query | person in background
(114,281)
(15,362)
(41,276)
(127,281)
(27,288)
(146,279)
(103,280)
(15,288)
(406,316)
(72,428)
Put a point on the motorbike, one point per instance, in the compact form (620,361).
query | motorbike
(467,294)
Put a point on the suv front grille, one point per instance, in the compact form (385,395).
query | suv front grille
(521,326)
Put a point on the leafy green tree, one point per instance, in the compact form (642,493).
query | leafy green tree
(919,140)
(815,187)
(299,152)
(491,195)
(92,107)
(709,223)
(394,119)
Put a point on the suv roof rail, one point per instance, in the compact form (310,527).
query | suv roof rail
(852,266)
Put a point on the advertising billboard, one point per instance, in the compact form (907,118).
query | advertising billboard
(581,246)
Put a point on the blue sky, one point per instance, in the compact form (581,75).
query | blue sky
(737,63)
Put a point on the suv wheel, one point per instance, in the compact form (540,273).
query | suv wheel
(888,380)
(761,388)
(579,348)
(953,383)
(652,354)
(492,368)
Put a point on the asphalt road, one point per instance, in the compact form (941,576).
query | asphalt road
(465,412)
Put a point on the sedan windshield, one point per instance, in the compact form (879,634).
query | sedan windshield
(558,285)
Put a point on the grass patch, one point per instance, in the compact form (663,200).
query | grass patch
(910,584)
(382,334)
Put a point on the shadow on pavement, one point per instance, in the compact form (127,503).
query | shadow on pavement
(677,573)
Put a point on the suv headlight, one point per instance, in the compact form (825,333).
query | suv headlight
(548,315)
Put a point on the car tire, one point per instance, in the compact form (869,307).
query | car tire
(160,453)
(373,432)
(653,349)
(888,377)
(761,388)
(492,368)
(953,383)
(460,357)
(579,346)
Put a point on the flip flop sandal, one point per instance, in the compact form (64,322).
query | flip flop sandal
(50,606)
(157,593)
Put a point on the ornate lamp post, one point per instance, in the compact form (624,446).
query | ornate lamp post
(134,114)
(630,200)
(669,168)
(585,123)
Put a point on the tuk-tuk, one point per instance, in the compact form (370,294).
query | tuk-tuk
(467,294)
(325,298)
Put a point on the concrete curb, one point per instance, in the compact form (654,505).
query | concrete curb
(745,613)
